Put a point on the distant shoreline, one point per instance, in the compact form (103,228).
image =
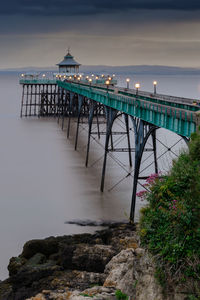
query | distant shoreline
(137,70)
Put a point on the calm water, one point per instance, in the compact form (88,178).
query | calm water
(43,181)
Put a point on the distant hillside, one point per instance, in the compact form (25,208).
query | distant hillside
(142,69)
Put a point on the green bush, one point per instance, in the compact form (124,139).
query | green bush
(121,296)
(170,223)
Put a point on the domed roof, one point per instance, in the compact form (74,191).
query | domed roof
(68,61)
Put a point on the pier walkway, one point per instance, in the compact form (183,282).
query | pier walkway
(147,112)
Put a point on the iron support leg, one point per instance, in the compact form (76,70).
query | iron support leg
(90,121)
(98,130)
(110,115)
(80,104)
(155,151)
(64,111)
(70,110)
(142,132)
(135,181)
(128,138)
(77,129)
(22,103)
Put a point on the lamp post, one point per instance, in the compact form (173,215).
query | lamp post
(107,84)
(127,83)
(137,86)
(90,81)
(154,86)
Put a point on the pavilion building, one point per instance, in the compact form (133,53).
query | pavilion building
(68,66)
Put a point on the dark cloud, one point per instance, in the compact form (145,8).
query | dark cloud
(88,7)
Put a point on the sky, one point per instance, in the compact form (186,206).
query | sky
(100,32)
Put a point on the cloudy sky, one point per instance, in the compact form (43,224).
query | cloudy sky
(120,32)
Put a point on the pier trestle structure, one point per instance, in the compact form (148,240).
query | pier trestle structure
(142,131)
(146,112)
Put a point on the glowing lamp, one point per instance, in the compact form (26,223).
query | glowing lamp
(154,85)
(137,86)
(127,82)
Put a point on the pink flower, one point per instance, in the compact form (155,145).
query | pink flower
(152,178)
(141,194)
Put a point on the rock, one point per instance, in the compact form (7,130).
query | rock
(29,274)
(139,252)
(66,255)
(38,297)
(73,267)
(76,279)
(146,285)
(15,264)
(35,260)
(96,293)
(47,247)
(5,290)
(92,258)
(119,272)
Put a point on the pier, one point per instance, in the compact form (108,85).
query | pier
(98,99)
(78,98)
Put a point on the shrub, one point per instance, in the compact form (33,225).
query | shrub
(170,223)
(121,296)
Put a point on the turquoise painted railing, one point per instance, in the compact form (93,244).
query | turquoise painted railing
(37,81)
(179,115)
(181,118)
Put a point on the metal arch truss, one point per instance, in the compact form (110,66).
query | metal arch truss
(52,100)
(142,132)
(78,106)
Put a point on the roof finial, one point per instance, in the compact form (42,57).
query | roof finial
(68,50)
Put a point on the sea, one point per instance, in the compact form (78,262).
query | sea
(44,184)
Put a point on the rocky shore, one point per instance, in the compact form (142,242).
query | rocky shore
(83,266)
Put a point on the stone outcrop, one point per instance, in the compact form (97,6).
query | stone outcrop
(84,266)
